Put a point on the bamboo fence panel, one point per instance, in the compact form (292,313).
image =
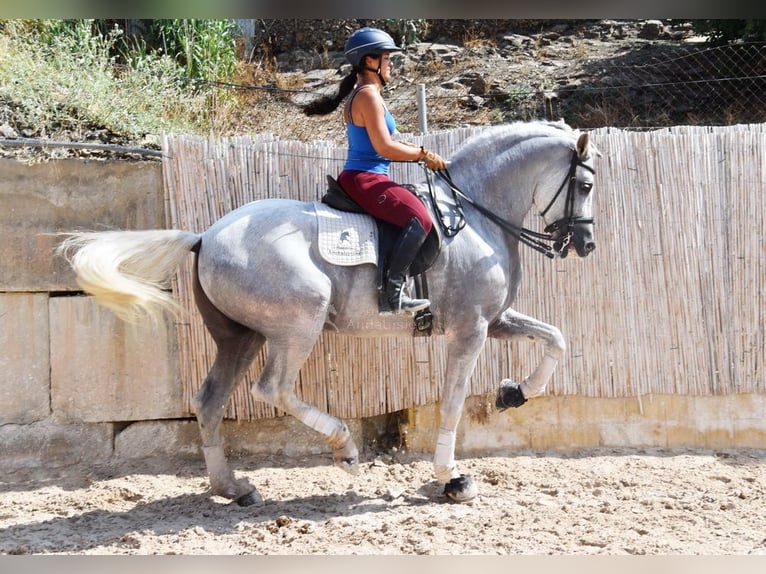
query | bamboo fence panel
(675,307)
(670,302)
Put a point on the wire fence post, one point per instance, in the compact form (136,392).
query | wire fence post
(422,119)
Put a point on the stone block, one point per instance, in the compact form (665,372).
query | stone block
(749,433)
(646,407)
(714,438)
(749,424)
(158,438)
(565,436)
(483,429)
(103,369)
(536,412)
(37,201)
(497,437)
(282,436)
(50,444)
(668,421)
(586,410)
(424,423)
(749,406)
(649,433)
(279,436)
(682,434)
(24,358)
(714,415)
(623,434)
(679,409)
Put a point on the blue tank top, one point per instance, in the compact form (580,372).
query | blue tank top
(361,155)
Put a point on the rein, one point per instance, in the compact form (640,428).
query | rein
(448,230)
(533,239)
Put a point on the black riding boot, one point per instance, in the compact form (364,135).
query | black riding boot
(403,254)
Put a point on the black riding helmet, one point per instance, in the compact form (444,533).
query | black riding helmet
(368,42)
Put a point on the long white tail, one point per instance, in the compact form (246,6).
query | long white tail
(128,271)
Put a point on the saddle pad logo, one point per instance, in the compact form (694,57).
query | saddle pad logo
(346,238)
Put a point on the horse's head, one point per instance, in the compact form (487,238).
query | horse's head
(568,205)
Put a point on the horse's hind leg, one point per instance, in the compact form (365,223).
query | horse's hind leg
(276,386)
(237,347)
(234,356)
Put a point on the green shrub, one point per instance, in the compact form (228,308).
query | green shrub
(68,73)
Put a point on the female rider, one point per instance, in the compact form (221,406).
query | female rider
(371,149)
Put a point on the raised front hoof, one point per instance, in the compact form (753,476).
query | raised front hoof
(249,499)
(349,464)
(461,489)
(509,395)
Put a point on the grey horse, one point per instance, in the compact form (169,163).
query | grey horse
(259,278)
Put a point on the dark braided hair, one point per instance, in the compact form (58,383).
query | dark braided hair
(327,104)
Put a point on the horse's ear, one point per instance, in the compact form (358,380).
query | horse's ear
(582,145)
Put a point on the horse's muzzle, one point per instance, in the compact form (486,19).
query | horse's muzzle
(581,238)
(583,241)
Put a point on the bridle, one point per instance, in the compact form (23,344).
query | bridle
(569,220)
(533,239)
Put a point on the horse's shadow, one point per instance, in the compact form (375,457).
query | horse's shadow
(173,515)
(168,516)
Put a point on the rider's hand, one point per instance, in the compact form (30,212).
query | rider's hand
(432,160)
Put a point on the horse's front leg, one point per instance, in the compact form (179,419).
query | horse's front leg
(462,351)
(513,325)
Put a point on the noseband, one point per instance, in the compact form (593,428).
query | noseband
(532,239)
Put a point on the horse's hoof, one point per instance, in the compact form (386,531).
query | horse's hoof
(250,498)
(350,464)
(509,395)
(461,489)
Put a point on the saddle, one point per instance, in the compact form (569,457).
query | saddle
(337,198)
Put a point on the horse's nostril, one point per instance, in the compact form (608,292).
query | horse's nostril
(590,246)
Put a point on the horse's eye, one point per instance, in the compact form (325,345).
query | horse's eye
(586,187)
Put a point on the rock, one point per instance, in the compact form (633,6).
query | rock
(7,131)
(443,52)
(478,86)
(515,40)
(652,30)
(319,77)
(471,102)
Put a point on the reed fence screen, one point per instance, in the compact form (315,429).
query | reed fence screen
(669,303)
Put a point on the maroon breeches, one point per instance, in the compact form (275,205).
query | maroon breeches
(383,198)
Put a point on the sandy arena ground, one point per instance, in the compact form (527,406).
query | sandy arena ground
(616,502)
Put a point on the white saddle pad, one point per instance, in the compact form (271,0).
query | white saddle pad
(346,238)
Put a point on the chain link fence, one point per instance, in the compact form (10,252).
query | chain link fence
(654,84)
(674,85)
(680,85)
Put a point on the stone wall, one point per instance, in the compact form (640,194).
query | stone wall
(78,385)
